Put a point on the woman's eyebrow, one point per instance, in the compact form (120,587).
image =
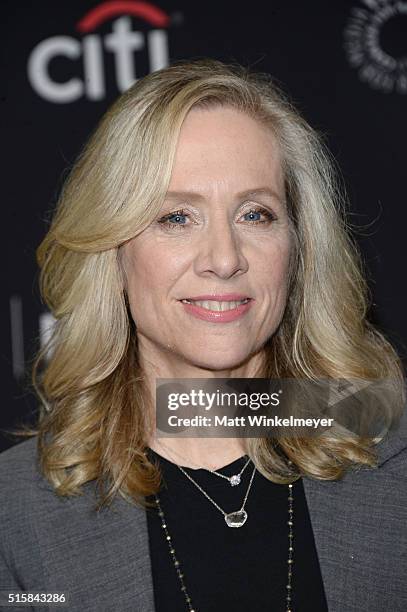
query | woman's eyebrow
(184,195)
(260,191)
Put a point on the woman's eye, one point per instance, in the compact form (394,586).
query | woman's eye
(174,220)
(178,219)
(255,216)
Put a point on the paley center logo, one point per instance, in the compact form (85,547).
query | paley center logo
(375,41)
(90,49)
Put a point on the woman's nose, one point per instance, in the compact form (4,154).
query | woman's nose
(220,252)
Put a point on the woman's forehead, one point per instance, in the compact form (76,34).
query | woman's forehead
(228,149)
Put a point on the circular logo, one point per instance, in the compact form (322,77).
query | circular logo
(375,40)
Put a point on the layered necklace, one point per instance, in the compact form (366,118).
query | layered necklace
(234,519)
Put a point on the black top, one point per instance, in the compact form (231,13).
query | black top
(232,569)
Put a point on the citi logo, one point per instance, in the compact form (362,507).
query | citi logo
(122,42)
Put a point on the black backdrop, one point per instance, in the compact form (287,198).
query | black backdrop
(344,63)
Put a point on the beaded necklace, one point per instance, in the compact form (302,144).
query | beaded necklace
(180,574)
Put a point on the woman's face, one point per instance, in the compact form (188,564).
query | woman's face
(207,280)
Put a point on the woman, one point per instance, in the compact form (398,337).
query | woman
(199,235)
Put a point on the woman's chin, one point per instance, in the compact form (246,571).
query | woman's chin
(225,362)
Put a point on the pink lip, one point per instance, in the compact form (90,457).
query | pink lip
(215,316)
(219,297)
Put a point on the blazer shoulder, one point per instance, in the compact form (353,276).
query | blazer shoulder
(22,455)
(20,486)
(19,462)
(396,465)
(392,450)
(19,475)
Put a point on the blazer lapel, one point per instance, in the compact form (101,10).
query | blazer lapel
(143,600)
(324,503)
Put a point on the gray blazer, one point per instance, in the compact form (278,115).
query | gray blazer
(102,562)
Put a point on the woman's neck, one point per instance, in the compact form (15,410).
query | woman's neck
(212,453)
(196,453)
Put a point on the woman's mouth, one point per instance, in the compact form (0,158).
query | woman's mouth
(216,305)
(217,310)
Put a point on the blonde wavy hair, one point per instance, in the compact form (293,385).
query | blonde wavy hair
(92,422)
